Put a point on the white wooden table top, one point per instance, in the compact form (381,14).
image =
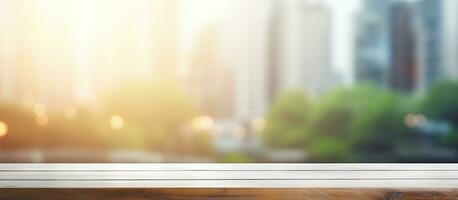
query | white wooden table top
(228,175)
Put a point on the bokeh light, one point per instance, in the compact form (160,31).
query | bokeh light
(202,123)
(70,112)
(410,120)
(414,120)
(3,129)
(421,119)
(116,122)
(42,120)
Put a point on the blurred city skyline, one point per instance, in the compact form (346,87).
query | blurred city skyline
(233,80)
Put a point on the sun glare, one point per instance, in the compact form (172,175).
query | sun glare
(3,129)
(58,41)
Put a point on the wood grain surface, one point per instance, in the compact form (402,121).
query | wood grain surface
(232,194)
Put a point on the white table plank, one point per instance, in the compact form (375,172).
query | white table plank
(228,175)
(232,167)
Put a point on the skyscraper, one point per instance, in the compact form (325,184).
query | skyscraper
(281,45)
(372,43)
(430,41)
(209,75)
(302,47)
(251,27)
(450,39)
(414,43)
(404,69)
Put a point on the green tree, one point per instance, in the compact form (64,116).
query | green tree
(332,114)
(359,120)
(330,125)
(450,140)
(286,122)
(441,102)
(378,124)
(330,149)
(344,125)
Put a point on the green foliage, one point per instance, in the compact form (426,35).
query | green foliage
(286,123)
(344,125)
(378,125)
(332,114)
(441,102)
(330,149)
(339,125)
(238,158)
(450,140)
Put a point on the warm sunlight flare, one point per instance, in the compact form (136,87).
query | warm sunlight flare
(3,129)
(53,43)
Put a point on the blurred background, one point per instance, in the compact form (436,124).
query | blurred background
(228,81)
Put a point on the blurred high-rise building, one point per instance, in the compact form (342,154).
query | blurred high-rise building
(281,45)
(301,44)
(251,28)
(430,41)
(450,38)
(372,43)
(404,68)
(437,39)
(406,45)
(209,73)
